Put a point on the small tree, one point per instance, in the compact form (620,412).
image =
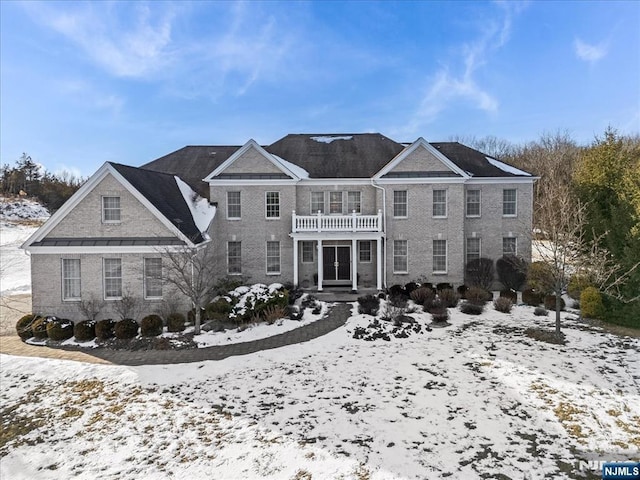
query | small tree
(479,273)
(128,306)
(512,271)
(91,307)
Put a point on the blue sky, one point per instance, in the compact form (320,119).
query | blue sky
(85,83)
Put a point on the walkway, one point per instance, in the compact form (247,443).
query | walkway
(337,317)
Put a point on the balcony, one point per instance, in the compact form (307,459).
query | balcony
(337,223)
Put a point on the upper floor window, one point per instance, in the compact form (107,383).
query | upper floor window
(71,279)
(400,256)
(153,277)
(473,203)
(335,202)
(439,256)
(473,248)
(509,246)
(112,271)
(111,209)
(234,208)
(307,252)
(353,202)
(234,258)
(400,203)
(439,203)
(509,202)
(273,204)
(273,258)
(317,202)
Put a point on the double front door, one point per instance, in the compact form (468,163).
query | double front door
(336,262)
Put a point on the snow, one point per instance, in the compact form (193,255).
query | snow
(19,209)
(293,168)
(478,399)
(329,139)
(201,211)
(507,168)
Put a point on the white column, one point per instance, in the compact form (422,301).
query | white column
(295,262)
(354,264)
(320,265)
(379,263)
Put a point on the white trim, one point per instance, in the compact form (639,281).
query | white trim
(494,180)
(420,142)
(393,255)
(308,242)
(510,215)
(466,196)
(104,279)
(311,210)
(62,278)
(314,236)
(334,181)
(266,257)
(105,250)
(360,242)
(227,248)
(446,257)
(515,241)
(446,203)
(421,181)
(466,248)
(241,151)
(239,192)
(250,183)
(104,209)
(266,205)
(144,279)
(406,203)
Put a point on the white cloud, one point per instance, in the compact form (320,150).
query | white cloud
(589,53)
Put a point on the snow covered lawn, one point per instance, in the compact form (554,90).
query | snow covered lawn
(478,399)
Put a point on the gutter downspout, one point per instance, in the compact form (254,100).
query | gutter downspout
(384,230)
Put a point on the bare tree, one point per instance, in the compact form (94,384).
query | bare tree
(128,306)
(91,307)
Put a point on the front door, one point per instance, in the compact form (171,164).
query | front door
(337,263)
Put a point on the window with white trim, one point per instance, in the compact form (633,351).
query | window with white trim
(273,258)
(273,204)
(364,251)
(439,256)
(307,252)
(335,202)
(112,271)
(400,256)
(473,248)
(440,203)
(234,258)
(473,203)
(353,202)
(111,209)
(400,203)
(509,246)
(234,206)
(509,202)
(153,277)
(317,202)
(71,279)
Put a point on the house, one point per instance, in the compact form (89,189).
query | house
(318,211)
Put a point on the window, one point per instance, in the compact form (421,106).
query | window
(400,256)
(473,249)
(335,202)
(71,279)
(439,256)
(509,202)
(112,268)
(353,202)
(399,203)
(153,278)
(307,252)
(273,258)
(317,202)
(473,203)
(365,251)
(234,209)
(273,204)
(509,246)
(111,209)
(439,203)
(234,258)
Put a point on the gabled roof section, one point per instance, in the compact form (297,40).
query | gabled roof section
(477,163)
(447,164)
(340,155)
(288,170)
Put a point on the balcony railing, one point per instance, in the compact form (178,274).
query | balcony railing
(337,223)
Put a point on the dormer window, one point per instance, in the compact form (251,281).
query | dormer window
(111,209)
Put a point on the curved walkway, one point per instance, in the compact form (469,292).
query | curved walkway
(337,317)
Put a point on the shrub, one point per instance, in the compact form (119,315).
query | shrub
(219,309)
(531,297)
(471,308)
(443,286)
(422,294)
(449,297)
(399,301)
(151,326)
(295,312)
(60,329)
(410,287)
(105,329)
(512,271)
(440,315)
(591,303)
(462,291)
(577,283)
(39,327)
(175,322)
(273,313)
(126,329)
(478,296)
(479,273)
(252,301)
(191,315)
(368,305)
(23,326)
(541,312)
(550,302)
(510,294)
(540,277)
(85,331)
(503,304)
(397,291)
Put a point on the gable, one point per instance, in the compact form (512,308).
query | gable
(420,160)
(251,162)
